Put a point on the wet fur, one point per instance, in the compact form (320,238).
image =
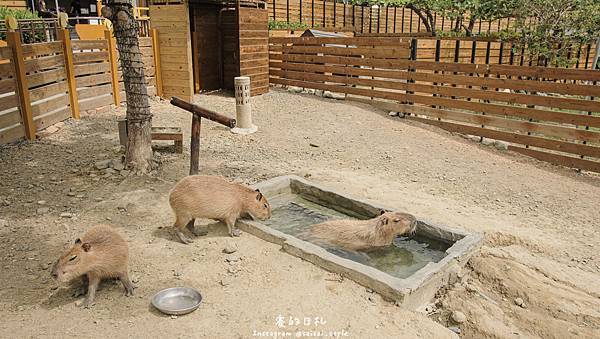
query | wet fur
(100,253)
(211,197)
(364,234)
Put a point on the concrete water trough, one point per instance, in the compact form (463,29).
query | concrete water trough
(410,271)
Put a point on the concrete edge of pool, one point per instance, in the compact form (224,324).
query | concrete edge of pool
(412,292)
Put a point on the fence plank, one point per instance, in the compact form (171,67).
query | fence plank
(558,159)
(85,57)
(89,44)
(43,48)
(112,50)
(42,78)
(43,63)
(72,86)
(14,41)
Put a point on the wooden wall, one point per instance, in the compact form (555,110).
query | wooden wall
(16,4)
(11,124)
(254,47)
(47,80)
(173,26)
(92,73)
(230,40)
(207,50)
(549,113)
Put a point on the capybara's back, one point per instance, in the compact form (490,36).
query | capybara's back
(201,196)
(211,197)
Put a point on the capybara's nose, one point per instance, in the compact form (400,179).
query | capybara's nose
(54,275)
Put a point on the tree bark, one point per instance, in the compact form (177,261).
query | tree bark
(425,16)
(139,118)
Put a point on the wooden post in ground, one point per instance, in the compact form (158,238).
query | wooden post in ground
(195,144)
(114,70)
(13,40)
(63,35)
(156,58)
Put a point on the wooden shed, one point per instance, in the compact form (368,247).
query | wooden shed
(205,44)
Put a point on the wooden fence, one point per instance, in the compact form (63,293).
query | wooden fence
(548,113)
(382,19)
(44,83)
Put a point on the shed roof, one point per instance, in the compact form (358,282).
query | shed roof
(321,34)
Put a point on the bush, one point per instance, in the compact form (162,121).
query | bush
(20,15)
(276,25)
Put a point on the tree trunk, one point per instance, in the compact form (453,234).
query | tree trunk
(426,17)
(139,117)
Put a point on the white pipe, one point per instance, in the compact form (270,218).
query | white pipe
(243,108)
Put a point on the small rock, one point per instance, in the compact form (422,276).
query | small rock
(71,194)
(225,282)
(454,329)
(371,299)
(319,92)
(109,171)
(173,317)
(20,308)
(102,164)
(135,280)
(459,317)
(3,223)
(125,173)
(501,145)
(393,114)
(231,247)
(233,258)
(42,202)
(487,141)
(66,215)
(519,302)
(117,164)
(470,288)
(332,95)
(294,89)
(313,145)
(177,274)
(43,210)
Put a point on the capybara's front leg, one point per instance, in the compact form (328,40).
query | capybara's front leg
(232,230)
(81,290)
(94,281)
(126,284)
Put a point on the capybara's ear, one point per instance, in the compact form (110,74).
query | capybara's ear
(257,190)
(259,196)
(382,212)
(382,221)
(86,246)
(78,241)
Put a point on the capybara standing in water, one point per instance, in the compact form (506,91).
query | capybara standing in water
(100,253)
(210,197)
(365,234)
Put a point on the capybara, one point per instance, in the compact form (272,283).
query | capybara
(100,253)
(211,197)
(361,235)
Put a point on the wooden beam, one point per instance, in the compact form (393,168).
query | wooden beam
(157,66)
(13,40)
(112,53)
(63,35)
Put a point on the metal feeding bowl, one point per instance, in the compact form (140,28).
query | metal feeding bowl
(177,300)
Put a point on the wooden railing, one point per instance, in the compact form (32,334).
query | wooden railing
(549,113)
(44,83)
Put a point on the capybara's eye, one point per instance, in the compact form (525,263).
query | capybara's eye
(73,258)
(396,220)
(266,206)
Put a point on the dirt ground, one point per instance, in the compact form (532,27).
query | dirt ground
(541,226)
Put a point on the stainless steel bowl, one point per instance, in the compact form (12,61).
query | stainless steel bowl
(177,300)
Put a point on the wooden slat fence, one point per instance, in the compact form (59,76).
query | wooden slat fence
(47,79)
(44,83)
(11,124)
(91,61)
(329,13)
(549,113)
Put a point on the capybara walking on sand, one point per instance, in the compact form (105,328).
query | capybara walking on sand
(365,234)
(100,253)
(210,197)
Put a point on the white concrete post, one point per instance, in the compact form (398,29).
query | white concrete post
(242,107)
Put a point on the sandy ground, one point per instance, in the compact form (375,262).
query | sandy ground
(540,222)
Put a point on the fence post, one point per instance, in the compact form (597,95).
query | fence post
(13,39)
(156,57)
(114,71)
(63,35)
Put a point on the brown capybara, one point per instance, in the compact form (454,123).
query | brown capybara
(361,235)
(100,253)
(210,197)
